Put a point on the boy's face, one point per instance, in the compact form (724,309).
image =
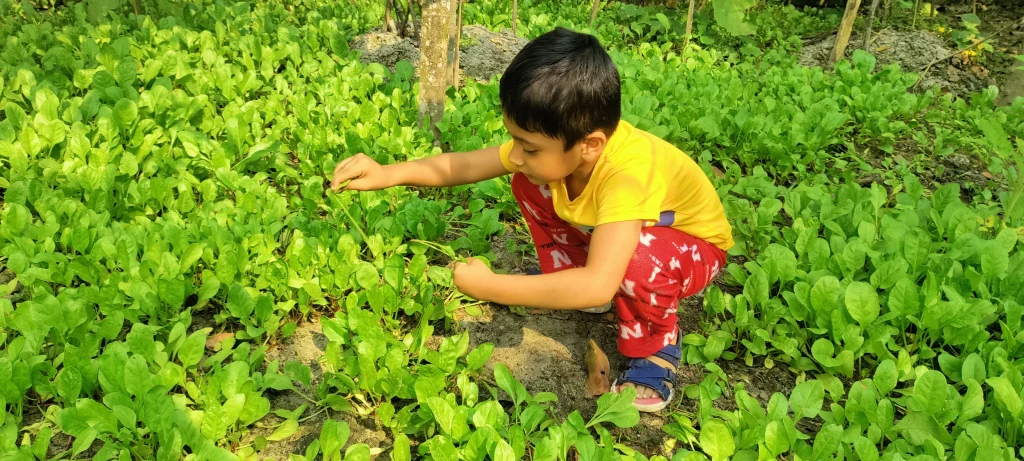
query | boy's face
(540,158)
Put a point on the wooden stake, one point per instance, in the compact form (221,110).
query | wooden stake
(689,25)
(593,12)
(387,15)
(917,7)
(457,51)
(871,22)
(845,29)
(515,15)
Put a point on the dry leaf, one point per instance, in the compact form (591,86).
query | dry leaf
(597,370)
(987,175)
(882,48)
(214,341)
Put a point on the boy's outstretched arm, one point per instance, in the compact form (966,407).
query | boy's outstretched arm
(449,169)
(611,247)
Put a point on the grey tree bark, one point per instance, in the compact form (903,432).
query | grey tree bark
(433,67)
(871,22)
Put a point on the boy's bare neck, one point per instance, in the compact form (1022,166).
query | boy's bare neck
(578,179)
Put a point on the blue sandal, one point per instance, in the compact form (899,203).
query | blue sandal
(644,372)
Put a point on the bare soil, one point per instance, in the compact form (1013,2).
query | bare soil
(483,53)
(913,51)
(306,346)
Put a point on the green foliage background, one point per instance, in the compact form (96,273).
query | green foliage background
(170,167)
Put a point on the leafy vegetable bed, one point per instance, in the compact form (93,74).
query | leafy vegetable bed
(158,170)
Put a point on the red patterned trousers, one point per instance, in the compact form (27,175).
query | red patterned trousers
(667,265)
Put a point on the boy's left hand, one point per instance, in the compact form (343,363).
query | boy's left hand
(470,277)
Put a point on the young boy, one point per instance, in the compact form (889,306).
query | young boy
(616,214)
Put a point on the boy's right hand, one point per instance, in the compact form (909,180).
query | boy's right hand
(364,172)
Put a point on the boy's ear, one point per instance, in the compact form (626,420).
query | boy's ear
(594,144)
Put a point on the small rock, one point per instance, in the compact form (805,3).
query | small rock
(958,160)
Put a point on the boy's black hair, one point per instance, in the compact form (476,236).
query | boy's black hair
(564,85)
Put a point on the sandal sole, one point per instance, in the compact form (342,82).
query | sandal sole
(655,405)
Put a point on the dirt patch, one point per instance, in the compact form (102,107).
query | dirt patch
(306,346)
(1012,87)
(385,48)
(546,352)
(913,50)
(487,53)
(483,53)
(506,248)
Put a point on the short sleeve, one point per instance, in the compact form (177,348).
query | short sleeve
(503,151)
(631,193)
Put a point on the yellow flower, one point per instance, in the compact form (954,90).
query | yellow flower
(941,29)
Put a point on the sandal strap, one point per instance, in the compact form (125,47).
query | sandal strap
(647,373)
(673,353)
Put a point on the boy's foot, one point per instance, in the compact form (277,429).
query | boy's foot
(654,378)
(590,310)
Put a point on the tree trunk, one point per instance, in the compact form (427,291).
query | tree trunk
(593,12)
(672,3)
(845,29)
(435,24)
(871,22)
(457,51)
(387,15)
(515,15)
(689,25)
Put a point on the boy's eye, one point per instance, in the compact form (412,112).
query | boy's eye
(529,152)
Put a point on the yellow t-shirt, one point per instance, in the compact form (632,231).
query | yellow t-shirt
(640,176)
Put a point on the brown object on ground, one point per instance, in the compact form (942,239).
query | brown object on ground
(597,370)
(214,341)
(845,29)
